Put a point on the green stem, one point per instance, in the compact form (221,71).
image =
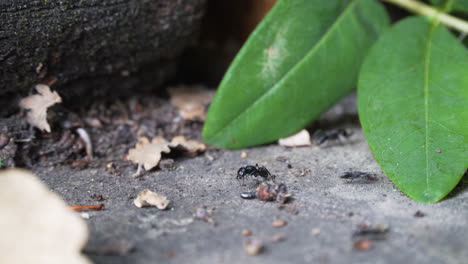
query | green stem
(425,10)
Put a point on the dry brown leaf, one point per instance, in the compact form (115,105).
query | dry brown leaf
(190,147)
(148,153)
(148,198)
(191,101)
(300,139)
(36,226)
(38,104)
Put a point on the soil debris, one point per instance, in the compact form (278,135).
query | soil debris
(97,197)
(279,223)
(419,214)
(191,101)
(204,213)
(112,169)
(148,198)
(253,246)
(246,232)
(167,164)
(300,139)
(377,232)
(365,177)
(362,245)
(37,105)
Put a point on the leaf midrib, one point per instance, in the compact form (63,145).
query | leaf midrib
(296,65)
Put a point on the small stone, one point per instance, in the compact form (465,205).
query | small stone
(315,231)
(246,232)
(243,155)
(253,246)
(363,245)
(279,223)
(419,214)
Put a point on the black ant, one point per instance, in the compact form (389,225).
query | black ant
(335,134)
(255,171)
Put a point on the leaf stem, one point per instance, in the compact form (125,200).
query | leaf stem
(425,10)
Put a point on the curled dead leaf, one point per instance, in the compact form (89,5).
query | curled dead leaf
(190,147)
(148,154)
(191,101)
(148,198)
(300,139)
(36,225)
(37,105)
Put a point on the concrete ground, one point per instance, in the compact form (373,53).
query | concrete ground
(330,209)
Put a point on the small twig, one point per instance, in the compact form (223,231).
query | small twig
(87,140)
(96,207)
(425,10)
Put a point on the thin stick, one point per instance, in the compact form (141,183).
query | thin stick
(96,207)
(425,10)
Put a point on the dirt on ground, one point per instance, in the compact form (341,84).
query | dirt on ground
(332,214)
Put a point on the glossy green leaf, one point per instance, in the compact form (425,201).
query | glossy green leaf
(413,107)
(303,57)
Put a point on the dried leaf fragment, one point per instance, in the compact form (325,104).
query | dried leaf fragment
(148,154)
(190,147)
(300,139)
(148,198)
(38,104)
(36,225)
(191,101)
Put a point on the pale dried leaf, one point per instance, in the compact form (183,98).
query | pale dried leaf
(148,153)
(148,198)
(38,104)
(300,139)
(191,147)
(36,226)
(191,101)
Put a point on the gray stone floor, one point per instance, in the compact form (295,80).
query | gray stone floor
(330,210)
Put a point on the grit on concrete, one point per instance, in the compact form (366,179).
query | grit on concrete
(330,210)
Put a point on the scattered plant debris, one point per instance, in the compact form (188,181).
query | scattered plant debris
(36,234)
(300,139)
(332,135)
(97,197)
(276,238)
(279,223)
(37,105)
(253,246)
(278,192)
(97,207)
(191,101)
(204,213)
(148,198)
(112,169)
(358,175)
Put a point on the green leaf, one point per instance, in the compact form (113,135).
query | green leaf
(412,102)
(303,57)
(455,5)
